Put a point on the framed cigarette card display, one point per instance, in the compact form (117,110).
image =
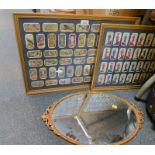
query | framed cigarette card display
(57,52)
(125,56)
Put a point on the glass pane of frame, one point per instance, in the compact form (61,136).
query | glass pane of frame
(57,52)
(125,57)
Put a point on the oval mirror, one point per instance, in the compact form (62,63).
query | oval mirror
(94,118)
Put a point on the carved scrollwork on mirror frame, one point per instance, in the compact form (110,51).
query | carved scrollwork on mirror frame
(94,118)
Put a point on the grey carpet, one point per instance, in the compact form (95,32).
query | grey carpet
(20,115)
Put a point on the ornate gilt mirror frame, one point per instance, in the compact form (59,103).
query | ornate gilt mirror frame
(49,119)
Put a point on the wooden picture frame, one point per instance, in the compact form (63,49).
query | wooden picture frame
(140,43)
(32,40)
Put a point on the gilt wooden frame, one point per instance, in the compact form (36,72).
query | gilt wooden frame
(138,28)
(18,16)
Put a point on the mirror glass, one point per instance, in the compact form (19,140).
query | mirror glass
(94,118)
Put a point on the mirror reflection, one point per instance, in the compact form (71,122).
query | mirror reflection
(94,118)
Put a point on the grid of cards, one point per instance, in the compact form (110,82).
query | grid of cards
(127,57)
(60,53)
